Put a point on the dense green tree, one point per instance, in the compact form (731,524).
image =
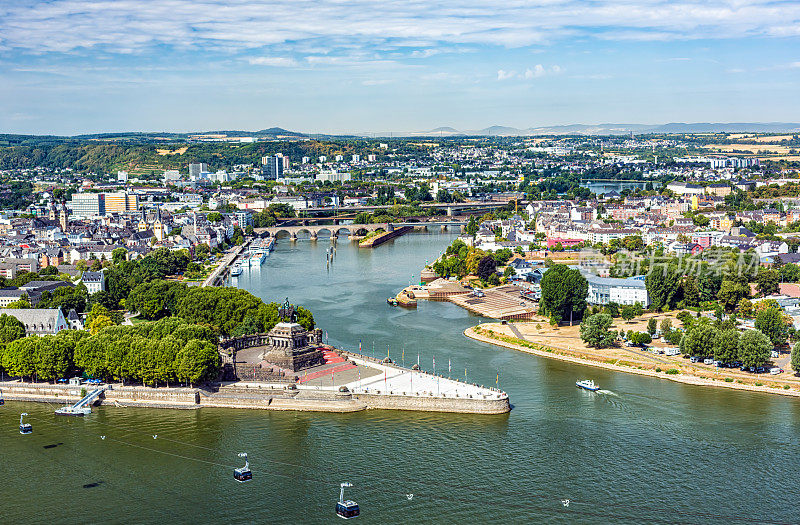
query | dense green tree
(155,299)
(595,331)
(53,357)
(767,281)
(652,326)
(66,298)
(197,361)
(754,348)
(628,312)
(690,291)
(789,273)
(731,293)
(564,293)
(19,357)
(472,227)
(699,339)
(11,329)
(771,323)
(612,308)
(663,285)
(796,358)
(641,338)
(726,346)
(685,317)
(118,255)
(486,267)
(709,284)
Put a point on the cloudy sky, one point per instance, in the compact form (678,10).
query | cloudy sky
(76,66)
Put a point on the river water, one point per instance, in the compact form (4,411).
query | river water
(647,451)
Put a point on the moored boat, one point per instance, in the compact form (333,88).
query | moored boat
(236,270)
(72,411)
(588,384)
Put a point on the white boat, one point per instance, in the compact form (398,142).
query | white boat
(72,411)
(588,384)
(236,270)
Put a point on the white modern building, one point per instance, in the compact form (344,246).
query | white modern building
(604,290)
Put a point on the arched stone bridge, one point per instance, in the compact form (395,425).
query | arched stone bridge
(333,229)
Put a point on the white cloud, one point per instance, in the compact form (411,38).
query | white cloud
(505,75)
(537,71)
(413,27)
(273,61)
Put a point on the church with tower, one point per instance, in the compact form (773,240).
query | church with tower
(152,221)
(60,214)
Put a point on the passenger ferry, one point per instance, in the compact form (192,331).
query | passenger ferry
(256,259)
(588,384)
(236,270)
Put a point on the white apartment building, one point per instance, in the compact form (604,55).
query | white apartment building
(604,290)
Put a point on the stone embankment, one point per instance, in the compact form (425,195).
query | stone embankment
(254,396)
(381,238)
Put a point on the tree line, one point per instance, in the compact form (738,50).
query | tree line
(163,352)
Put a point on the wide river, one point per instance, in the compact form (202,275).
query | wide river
(646,451)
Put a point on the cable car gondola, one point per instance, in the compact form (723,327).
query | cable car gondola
(2,401)
(346,509)
(24,428)
(243,474)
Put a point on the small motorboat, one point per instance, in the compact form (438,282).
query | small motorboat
(243,474)
(392,301)
(24,428)
(588,384)
(346,508)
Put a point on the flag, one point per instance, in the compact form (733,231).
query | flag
(448,367)
(497,380)
(359,346)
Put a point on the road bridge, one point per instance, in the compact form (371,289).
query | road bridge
(334,230)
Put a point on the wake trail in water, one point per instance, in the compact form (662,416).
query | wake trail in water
(608,393)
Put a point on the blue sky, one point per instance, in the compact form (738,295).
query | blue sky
(80,66)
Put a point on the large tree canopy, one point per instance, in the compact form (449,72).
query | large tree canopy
(563,293)
(595,331)
(663,284)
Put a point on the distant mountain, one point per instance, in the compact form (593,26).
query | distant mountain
(445,130)
(618,129)
(279,131)
(673,127)
(499,131)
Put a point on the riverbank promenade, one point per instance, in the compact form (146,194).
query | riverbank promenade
(395,380)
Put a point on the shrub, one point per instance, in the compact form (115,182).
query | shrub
(759,384)
(729,380)
(786,387)
(672,371)
(658,369)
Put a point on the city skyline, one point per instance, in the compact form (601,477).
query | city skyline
(76,66)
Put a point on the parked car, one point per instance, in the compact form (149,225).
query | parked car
(775,370)
(694,359)
(774,354)
(708,361)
